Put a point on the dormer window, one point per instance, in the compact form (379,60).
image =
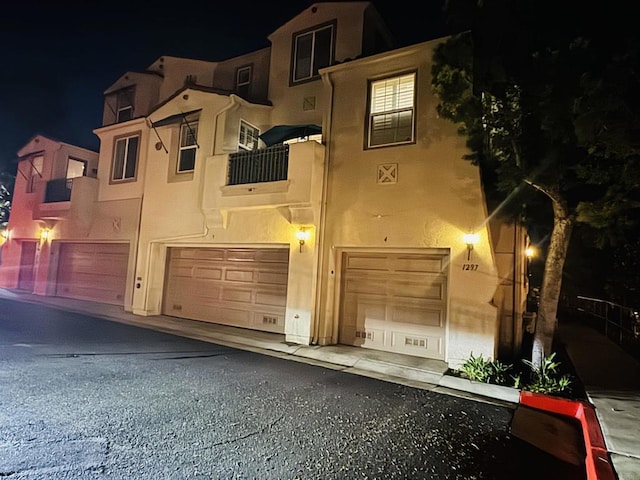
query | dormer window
(124,105)
(243,81)
(312,50)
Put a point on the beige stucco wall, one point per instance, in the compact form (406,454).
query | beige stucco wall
(84,218)
(225,74)
(288,100)
(201,212)
(438,198)
(110,191)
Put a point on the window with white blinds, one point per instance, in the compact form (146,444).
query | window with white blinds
(391,111)
(248,139)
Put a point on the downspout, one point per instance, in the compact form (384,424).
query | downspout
(326,129)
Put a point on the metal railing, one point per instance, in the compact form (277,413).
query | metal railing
(264,165)
(619,323)
(58,190)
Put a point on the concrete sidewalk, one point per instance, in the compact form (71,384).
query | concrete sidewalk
(610,376)
(611,379)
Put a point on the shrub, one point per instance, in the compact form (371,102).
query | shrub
(485,370)
(544,379)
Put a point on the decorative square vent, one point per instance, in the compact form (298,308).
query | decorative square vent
(415,342)
(387,173)
(269,320)
(364,334)
(309,103)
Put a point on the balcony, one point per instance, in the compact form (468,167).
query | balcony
(264,165)
(67,197)
(278,176)
(58,190)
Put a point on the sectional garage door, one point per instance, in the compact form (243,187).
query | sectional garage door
(242,287)
(395,302)
(93,271)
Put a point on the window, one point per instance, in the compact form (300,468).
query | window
(124,106)
(248,136)
(35,175)
(125,158)
(243,81)
(391,111)
(312,50)
(188,146)
(76,168)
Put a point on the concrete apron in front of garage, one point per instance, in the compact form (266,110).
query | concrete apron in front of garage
(404,369)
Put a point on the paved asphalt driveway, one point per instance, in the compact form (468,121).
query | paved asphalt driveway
(85,398)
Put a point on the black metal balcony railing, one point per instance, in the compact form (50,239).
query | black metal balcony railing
(58,190)
(264,165)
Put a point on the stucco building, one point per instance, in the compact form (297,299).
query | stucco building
(307,189)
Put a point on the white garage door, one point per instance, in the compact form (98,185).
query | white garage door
(395,302)
(93,271)
(242,287)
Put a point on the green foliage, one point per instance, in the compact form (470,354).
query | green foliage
(543,379)
(546,378)
(6,185)
(484,370)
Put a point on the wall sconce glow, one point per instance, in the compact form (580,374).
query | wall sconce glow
(470,239)
(530,252)
(4,236)
(45,234)
(302,235)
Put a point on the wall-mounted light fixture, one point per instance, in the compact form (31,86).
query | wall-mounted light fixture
(302,235)
(4,236)
(470,239)
(530,252)
(45,234)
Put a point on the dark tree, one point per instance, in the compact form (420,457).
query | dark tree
(547,95)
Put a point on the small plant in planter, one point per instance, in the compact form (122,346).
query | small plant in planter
(484,370)
(544,379)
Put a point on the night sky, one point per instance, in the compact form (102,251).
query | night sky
(59,57)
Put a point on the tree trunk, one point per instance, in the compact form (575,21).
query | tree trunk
(552,282)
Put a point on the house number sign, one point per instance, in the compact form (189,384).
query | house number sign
(470,266)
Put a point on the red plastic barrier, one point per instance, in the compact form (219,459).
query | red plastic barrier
(597,462)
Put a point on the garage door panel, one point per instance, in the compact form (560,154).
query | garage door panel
(202,272)
(92,271)
(365,311)
(274,278)
(274,255)
(417,316)
(239,275)
(428,289)
(236,295)
(275,299)
(238,286)
(369,263)
(418,264)
(363,285)
(395,302)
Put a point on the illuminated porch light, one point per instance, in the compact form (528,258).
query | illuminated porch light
(45,234)
(530,252)
(302,235)
(470,239)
